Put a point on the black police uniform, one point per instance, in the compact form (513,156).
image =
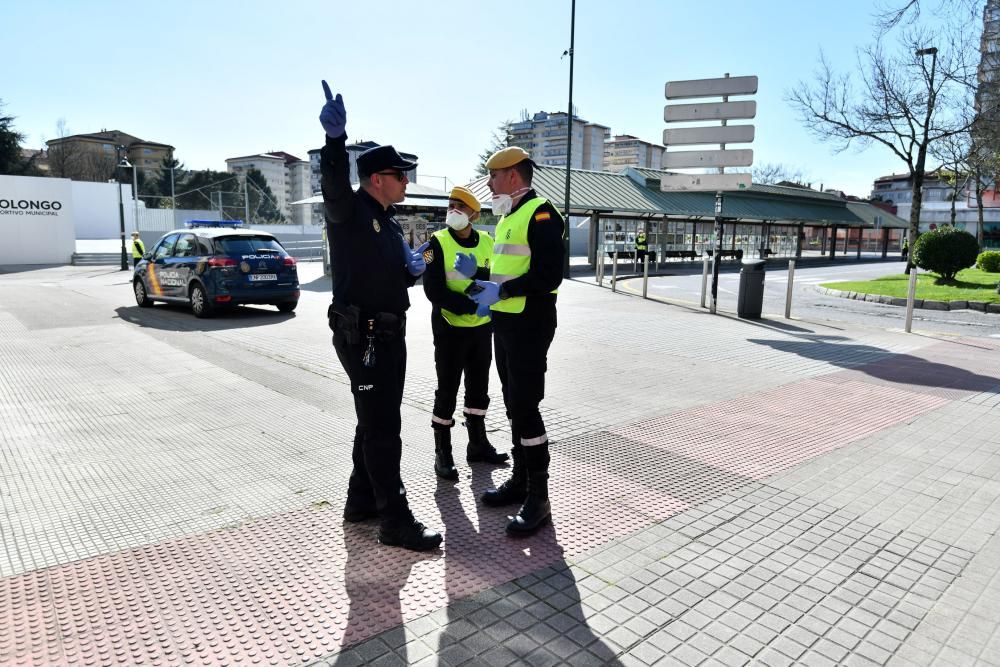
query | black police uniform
(458,350)
(370,282)
(521,343)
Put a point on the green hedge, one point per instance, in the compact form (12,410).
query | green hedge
(945,251)
(989,261)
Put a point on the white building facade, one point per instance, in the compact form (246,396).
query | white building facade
(544,137)
(624,151)
(286,175)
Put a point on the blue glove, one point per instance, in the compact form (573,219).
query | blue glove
(483,311)
(415,263)
(333,117)
(488,295)
(466,264)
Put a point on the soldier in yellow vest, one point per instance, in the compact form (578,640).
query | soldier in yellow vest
(525,272)
(138,249)
(462,339)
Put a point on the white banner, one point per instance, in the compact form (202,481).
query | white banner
(36,220)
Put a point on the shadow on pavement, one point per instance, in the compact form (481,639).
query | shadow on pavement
(177,317)
(875,362)
(321,284)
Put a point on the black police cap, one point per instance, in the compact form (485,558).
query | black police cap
(381,158)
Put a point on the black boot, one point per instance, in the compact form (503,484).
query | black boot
(408,533)
(536,510)
(480,448)
(515,489)
(444,464)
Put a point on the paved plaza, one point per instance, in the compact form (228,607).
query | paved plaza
(724,492)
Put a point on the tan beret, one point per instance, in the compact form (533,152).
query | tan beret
(465,196)
(507,157)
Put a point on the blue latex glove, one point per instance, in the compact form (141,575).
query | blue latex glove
(488,295)
(465,263)
(484,311)
(333,117)
(415,263)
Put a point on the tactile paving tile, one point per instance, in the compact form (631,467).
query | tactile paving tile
(758,435)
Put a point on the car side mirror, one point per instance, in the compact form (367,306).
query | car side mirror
(147,255)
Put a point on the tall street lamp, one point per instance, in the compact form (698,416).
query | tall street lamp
(121,162)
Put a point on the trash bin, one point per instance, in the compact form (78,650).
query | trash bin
(750,302)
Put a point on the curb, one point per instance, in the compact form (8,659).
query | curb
(926,304)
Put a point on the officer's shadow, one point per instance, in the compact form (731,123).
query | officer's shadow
(374,575)
(520,618)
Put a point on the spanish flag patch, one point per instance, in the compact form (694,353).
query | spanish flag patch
(542,216)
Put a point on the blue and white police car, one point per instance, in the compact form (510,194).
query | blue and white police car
(210,266)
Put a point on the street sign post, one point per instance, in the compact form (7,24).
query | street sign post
(721,135)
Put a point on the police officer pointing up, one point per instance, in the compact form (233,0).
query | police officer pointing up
(373,267)
(525,270)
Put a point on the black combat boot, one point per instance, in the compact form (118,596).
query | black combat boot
(405,531)
(444,464)
(515,489)
(536,511)
(480,448)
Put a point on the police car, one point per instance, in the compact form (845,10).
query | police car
(210,267)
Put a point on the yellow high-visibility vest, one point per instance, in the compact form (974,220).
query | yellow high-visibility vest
(512,254)
(454,280)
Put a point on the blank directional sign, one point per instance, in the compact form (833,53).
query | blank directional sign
(701,182)
(736,85)
(682,159)
(720,134)
(674,113)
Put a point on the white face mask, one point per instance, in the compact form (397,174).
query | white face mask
(502,204)
(457,220)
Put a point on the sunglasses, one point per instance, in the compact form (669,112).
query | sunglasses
(398,174)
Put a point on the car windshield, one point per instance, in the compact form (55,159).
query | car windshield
(249,245)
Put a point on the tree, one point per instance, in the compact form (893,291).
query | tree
(904,105)
(499,140)
(12,160)
(772,173)
(945,251)
(169,178)
(954,153)
(64,157)
(263,204)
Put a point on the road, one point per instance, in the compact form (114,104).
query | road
(811,305)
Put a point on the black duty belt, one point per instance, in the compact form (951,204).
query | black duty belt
(350,321)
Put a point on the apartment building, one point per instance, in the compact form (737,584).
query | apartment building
(286,175)
(625,151)
(544,136)
(935,205)
(92,157)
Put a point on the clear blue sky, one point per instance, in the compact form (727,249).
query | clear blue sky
(223,79)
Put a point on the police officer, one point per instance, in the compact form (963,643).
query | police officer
(373,266)
(640,245)
(138,249)
(462,339)
(525,270)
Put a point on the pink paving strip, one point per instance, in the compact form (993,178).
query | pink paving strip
(756,436)
(293,587)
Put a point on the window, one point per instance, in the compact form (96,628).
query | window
(166,247)
(186,246)
(249,245)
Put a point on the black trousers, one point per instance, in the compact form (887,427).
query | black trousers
(378,395)
(521,357)
(459,350)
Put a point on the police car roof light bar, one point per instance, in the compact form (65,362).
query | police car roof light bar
(190,224)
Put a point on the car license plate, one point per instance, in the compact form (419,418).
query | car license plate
(257,277)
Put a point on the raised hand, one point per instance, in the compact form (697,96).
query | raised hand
(333,117)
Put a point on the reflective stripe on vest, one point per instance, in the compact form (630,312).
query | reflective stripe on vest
(640,242)
(454,280)
(512,254)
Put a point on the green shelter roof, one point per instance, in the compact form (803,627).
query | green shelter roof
(636,192)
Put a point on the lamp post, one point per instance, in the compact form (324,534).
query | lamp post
(569,137)
(121,207)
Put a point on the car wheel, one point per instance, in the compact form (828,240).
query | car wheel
(141,297)
(287,306)
(200,305)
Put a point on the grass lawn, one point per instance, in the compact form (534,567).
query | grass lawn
(970,285)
